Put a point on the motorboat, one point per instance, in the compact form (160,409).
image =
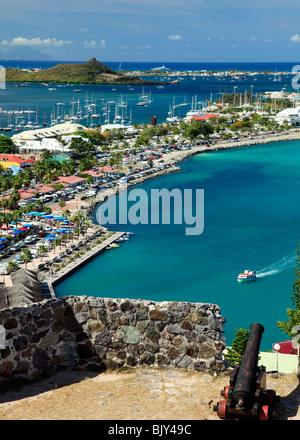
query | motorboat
(247,275)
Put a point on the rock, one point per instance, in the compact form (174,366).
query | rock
(130,335)
(152,334)
(184,361)
(147,358)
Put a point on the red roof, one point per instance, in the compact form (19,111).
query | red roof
(12,158)
(198,118)
(107,169)
(205,117)
(44,188)
(286,347)
(93,173)
(27,194)
(71,179)
(210,115)
(61,182)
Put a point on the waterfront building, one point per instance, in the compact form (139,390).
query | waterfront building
(40,134)
(289,115)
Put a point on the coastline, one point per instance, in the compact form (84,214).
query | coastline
(173,159)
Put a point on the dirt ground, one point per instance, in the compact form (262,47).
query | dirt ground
(144,394)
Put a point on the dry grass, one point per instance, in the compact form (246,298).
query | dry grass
(144,394)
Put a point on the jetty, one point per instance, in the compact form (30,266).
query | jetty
(47,284)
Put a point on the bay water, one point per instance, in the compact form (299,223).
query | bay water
(251,221)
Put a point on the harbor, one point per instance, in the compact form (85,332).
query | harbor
(95,247)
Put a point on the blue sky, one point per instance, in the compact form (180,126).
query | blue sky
(154,30)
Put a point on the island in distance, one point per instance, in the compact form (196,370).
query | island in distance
(91,72)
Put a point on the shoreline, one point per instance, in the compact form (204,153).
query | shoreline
(173,159)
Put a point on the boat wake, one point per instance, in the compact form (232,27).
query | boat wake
(281,265)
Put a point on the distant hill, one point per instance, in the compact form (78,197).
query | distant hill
(24,53)
(91,72)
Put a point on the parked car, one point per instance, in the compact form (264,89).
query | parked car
(28,239)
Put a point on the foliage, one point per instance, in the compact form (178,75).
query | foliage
(91,72)
(6,145)
(235,354)
(293,314)
(197,128)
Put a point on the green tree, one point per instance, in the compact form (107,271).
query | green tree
(12,266)
(62,203)
(293,314)
(6,145)
(198,128)
(235,354)
(45,154)
(25,256)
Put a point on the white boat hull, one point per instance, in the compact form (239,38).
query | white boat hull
(243,280)
(247,275)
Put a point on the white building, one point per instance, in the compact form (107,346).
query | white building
(40,134)
(290,115)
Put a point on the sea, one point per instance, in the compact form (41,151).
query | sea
(251,210)
(46,104)
(251,221)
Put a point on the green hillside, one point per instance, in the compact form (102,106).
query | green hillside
(91,72)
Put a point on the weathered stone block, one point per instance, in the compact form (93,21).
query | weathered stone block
(157,315)
(20,343)
(103,338)
(147,358)
(152,334)
(130,335)
(184,361)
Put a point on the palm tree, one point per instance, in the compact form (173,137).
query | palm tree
(45,154)
(26,256)
(41,250)
(12,266)
(16,216)
(4,204)
(1,222)
(56,242)
(7,219)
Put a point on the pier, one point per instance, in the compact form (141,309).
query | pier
(48,283)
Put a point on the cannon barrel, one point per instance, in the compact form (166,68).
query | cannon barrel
(246,395)
(244,388)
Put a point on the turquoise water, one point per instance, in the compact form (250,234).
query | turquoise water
(251,222)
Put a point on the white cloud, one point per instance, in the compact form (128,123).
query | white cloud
(143,47)
(295,38)
(254,39)
(175,37)
(38,42)
(92,43)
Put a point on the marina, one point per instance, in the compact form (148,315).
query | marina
(193,93)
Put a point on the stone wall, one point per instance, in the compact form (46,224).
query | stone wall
(100,333)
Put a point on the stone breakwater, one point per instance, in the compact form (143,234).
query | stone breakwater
(95,334)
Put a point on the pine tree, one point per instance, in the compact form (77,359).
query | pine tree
(235,354)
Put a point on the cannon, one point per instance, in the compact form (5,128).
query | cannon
(246,397)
